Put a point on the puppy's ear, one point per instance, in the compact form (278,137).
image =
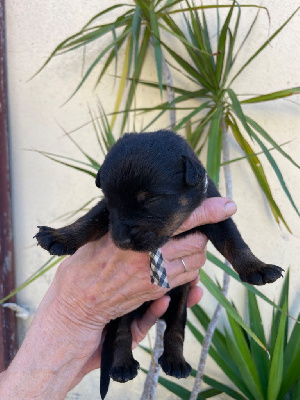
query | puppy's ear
(98,182)
(194,171)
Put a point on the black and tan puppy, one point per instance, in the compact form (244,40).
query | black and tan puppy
(151,183)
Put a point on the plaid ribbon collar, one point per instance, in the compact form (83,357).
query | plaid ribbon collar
(158,273)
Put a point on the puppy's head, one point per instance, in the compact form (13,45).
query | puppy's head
(152,182)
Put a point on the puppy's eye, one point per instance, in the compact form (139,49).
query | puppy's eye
(154,199)
(142,196)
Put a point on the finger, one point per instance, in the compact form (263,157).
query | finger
(188,245)
(212,210)
(195,295)
(140,327)
(183,279)
(187,264)
(195,281)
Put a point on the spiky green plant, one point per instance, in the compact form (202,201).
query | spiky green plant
(254,374)
(211,70)
(137,29)
(248,367)
(212,73)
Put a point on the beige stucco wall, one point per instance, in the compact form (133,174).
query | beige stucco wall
(43,190)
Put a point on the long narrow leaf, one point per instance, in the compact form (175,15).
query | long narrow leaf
(43,269)
(250,288)
(111,57)
(122,83)
(236,106)
(257,169)
(291,374)
(225,364)
(277,171)
(48,154)
(84,170)
(214,146)
(62,46)
(247,35)
(272,96)
(97,129)
(215,6)
(259,356)
(223,388)
(136,74)
(293,343)
(254,155)
(266,43)
(190,115)
(216,292)
(183,393)
(218,338)
(72,214)
(189,68)
(94,164)
(222,44)
(107,10)
(266,136)
(107,135)
(245,361)
(276,368)
(198,132)
(135,35)
(276,317)
(157,47)
(97,60)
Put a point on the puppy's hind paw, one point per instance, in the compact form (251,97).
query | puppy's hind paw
(126,372)
(173,366)
(268,273)
(55,242)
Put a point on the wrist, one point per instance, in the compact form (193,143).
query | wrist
(51,357)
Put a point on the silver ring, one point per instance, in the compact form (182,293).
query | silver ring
(185,269)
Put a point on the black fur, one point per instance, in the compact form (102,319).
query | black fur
(151,183)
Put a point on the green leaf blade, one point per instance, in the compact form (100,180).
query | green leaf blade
(259,356)
(272,96)
(214,146)
(265,44)
(215,291)
(276,368)
(157,47)
(257,169)
(222,44)
(245,362)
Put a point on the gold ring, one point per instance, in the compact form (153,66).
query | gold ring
(185,269)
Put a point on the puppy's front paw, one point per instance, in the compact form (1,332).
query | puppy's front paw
(267,273)
(174,366)
(54,241)
(126,372)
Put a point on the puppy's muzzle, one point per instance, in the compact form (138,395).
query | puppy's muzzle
(134,238)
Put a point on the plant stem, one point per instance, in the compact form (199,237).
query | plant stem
(213,322)
(151,381)
(170,92)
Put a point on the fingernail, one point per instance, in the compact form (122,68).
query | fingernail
(230,208)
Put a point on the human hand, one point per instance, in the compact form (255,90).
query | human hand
(101,282)
(98,283)
(193,249)
(140,327)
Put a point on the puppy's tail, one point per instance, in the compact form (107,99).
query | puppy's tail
(106,360)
